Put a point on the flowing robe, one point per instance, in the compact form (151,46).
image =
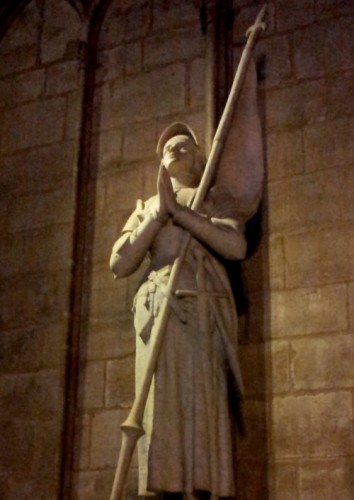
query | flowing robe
(189,431)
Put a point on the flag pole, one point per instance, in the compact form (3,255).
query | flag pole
(132,427)
(226,118)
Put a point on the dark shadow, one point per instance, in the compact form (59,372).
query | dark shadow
(9,11)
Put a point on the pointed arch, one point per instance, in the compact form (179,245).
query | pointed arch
(9,11)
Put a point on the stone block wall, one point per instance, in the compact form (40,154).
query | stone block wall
(39,79)
(297,337)
(296,325)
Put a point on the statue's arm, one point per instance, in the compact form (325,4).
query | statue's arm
(130,249)
(222,235)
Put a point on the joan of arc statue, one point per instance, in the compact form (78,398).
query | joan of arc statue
(184,314)
(188,441)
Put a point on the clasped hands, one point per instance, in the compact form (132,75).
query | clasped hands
(166,200)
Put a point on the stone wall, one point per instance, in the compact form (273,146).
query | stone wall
(297,351)
(39,86)
(296,322)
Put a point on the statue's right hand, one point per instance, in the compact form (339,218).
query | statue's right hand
(161,211)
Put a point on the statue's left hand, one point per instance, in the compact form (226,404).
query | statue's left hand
(166,190)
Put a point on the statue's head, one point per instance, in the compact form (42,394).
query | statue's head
(179,150)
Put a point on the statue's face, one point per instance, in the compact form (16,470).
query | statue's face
(179,154)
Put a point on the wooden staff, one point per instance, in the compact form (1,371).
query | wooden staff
(132,428)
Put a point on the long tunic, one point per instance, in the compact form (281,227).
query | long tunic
(189,433)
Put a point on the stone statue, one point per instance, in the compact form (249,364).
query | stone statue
(185,318)
(188,441)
